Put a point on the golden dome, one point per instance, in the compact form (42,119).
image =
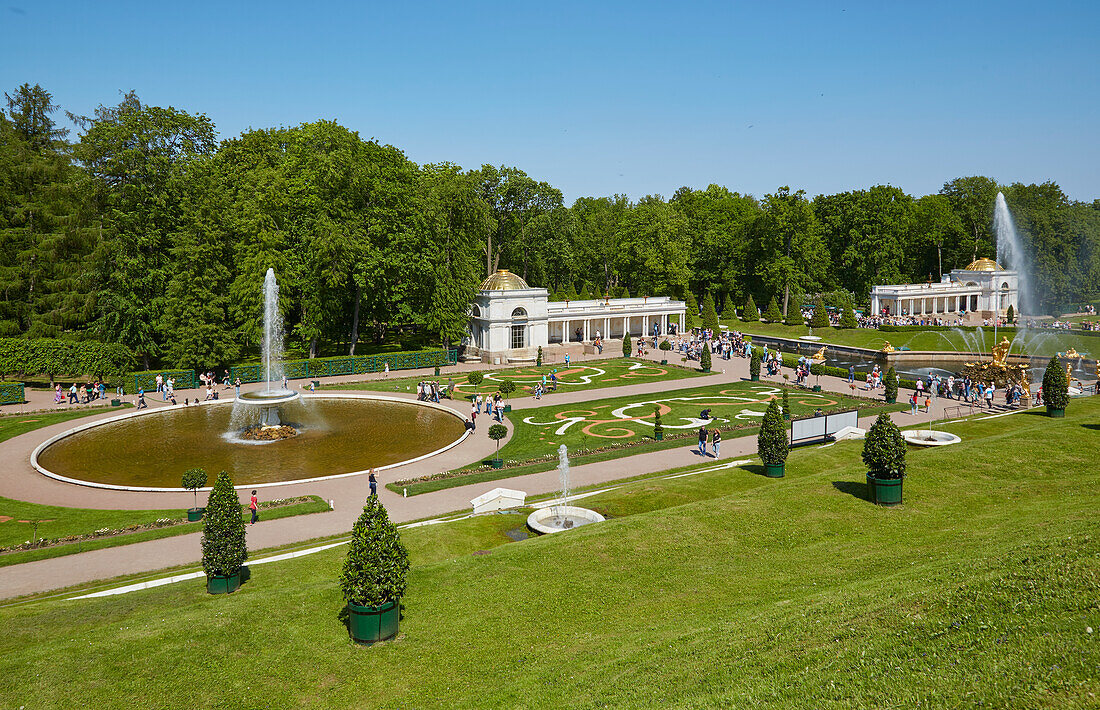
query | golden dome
(984,264)
(504,280)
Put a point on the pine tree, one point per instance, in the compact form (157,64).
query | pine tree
(820,318)
(710,315)
(570,292)
(585,294)
(794,316)
(751,314)
(772,313)
(848,317)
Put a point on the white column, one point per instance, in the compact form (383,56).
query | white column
(586,337)
(681,328)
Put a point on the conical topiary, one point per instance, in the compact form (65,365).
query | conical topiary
(626,345)
(1055,386)
(771,443)
(585,294)
(884,450)
(1011,315)
(728,311)
(848,317)
(570,292)
(890,385)
(710,315)
(820,318)
(751,314)
(772,314)
(794,315)
(377,563)
(692,307)
(223,538)
(704,358)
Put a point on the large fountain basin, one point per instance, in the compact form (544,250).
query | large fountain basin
(552,519)
(342,434)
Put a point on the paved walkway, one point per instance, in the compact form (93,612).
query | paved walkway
(18,480)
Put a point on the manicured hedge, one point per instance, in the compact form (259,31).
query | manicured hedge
(50,356)
(12,393)
(329,366)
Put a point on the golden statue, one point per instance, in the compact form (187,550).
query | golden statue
(1000,352)
(1072,353)
(1025,383)
(887,347)
(819,355)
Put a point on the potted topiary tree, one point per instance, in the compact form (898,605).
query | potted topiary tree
(658,430)
(626,344)
(1011,315)
(373,577)
(771,443)
(884,454)
(475,378)
(817,369)
(890,386)
(193,480)
(223,543)
(496,433)
(506,388)
(786,404)
(665,346)
(538,358)
(704,358)
(754,364)
(1055,388)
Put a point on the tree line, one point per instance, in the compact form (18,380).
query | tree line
(146,231)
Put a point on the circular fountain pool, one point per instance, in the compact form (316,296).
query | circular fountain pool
(338,435)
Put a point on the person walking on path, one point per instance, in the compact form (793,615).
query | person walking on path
(254,506)
(373,483)
(851,373)
(237,384)
(386,370)
(473,417)
(702,441)
(72,395)
(716,442)
(913,404)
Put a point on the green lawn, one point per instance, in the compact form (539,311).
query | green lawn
(17,520)
(16,424)
(604,422)
(722,590)
(1036,342)
(576,377)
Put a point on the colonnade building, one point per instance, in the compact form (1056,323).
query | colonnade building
(510,320)
(982,290)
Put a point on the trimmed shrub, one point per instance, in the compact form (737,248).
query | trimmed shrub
(538,358)
(772,313)
(1055,385)
(506,388)
(475,378)
(1011,315)
(626,344)
(704,358)
(771,443)
(751,314)
(754,362)
(786,403)
(691,318)
(658,429)
(665,345)
(848,318)
(377,563)
(585,294)
(496,433)
(710,315)
(223,539)
(884,450)
(820,318)
(794,316)
(728,311)
(193,480)
(890,383)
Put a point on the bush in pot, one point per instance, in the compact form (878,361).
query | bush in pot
(193,480)
(754,364)
(658,430)
(626,344)
(373,577)
(890,385)
(475,378)
(786,404)
(223,538)
(771,443)
(496,433)
(665,345)
(506,388)
(704,358)
(884,455)
(817,369)
(1055,388)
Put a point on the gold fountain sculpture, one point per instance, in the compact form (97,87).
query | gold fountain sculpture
(998,370)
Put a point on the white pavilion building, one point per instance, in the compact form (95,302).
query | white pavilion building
(509,320)
(982,290)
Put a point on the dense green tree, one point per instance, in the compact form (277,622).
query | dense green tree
(691,311)
(751,313)
(972,200)
(653,248)
(820,318)
(728,311)
(788,250)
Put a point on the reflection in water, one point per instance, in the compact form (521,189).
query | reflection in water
(337,436)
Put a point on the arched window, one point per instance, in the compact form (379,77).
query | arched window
(475,310)
(519,314)
(519,328)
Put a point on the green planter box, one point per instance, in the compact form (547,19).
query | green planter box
(1055,412)
(507,408)
(195,514)
(705,369)
(659,435)
(774,471)
(223,584)
(754,378)
(116,402)
(816,388)
(891,400)
(437,371)
(884,491)
(664,362)
(497,463)
(369,624)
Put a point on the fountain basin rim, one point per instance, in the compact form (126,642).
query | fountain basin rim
(247,486)
(258,399)
(534,520)
(919,437)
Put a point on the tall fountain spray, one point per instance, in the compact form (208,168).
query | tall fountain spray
(558,515)
(263,407)
(272,344)
(563,476)
(1010,252)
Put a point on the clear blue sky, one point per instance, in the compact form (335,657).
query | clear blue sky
(601,98)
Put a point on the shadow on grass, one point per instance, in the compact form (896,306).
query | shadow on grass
(853,488)
(757,469)
(1094,427)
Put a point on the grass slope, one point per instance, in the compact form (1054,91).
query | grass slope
(748,592)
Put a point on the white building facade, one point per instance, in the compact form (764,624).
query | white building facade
(982,290)
(509,320)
